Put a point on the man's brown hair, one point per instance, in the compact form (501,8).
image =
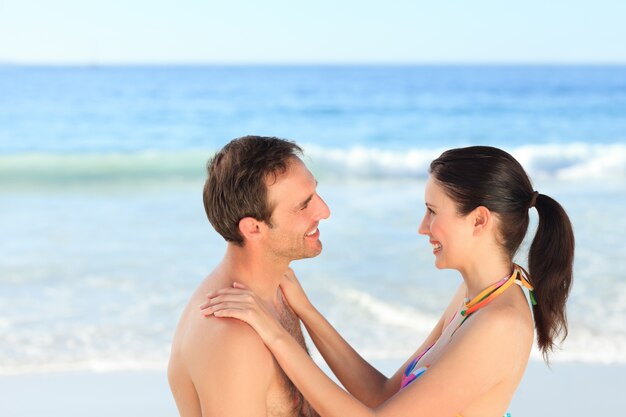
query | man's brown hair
(238,175)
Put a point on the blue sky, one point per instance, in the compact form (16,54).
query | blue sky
(281,31)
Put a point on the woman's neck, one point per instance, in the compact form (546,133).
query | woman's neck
(482,274)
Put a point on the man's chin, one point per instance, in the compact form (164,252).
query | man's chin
(312,252)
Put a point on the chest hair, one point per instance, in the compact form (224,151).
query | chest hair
(291,323)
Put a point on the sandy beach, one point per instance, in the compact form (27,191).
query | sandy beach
(567,389)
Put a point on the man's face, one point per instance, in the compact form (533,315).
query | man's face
(298,210)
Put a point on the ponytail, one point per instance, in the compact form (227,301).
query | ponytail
(490,177)
(550,263)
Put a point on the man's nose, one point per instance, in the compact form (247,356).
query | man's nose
(323,211)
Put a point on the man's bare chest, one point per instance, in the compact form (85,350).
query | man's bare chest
(284,400)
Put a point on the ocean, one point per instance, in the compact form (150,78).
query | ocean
(103,235)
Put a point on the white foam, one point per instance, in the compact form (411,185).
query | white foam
(576,161)
(569,162)
(386,314)
(372,162)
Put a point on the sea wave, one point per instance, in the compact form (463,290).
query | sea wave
(49,169)
(569,162)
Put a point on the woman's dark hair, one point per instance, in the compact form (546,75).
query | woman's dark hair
(489,177)
(236,185)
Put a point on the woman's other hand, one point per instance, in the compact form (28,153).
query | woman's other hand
(294,293)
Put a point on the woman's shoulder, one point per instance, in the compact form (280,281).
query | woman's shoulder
(502,323)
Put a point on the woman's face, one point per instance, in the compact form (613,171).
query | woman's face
(449,233)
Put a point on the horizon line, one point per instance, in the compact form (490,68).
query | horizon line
(95,64)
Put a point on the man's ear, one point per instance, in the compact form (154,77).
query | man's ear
(482,219)
(249,228)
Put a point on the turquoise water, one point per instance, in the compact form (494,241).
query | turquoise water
(104,235)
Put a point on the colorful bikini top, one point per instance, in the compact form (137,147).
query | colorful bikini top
(519,276)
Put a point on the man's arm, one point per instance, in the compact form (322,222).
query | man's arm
(231,369)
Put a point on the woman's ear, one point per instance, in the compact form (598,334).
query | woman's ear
(249,228)
(482,219)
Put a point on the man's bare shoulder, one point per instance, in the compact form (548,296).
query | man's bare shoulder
(217,362)
(225,344)
(228,334)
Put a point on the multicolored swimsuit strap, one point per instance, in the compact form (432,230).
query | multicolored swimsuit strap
(411,373)
(519,275)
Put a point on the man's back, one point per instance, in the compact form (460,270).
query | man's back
(220,367)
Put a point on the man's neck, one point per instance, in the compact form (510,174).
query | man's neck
(259,273)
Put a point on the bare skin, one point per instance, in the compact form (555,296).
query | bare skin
(215,364)
(473,372)
(221,367)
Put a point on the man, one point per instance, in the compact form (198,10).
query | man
(262,199)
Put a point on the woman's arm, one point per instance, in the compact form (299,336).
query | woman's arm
(480,356)
(360,378)
(326,397)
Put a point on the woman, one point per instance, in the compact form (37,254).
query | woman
(477,204)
